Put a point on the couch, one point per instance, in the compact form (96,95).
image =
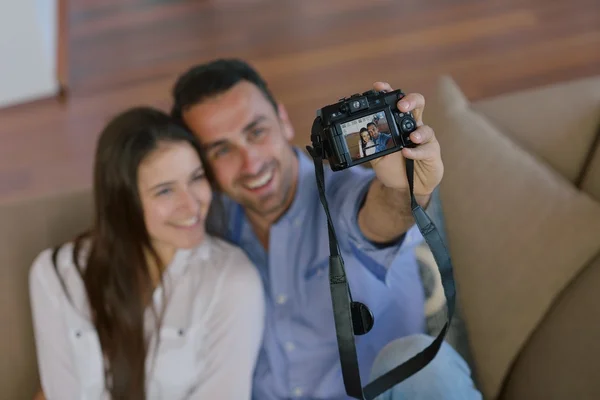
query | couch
(521,203)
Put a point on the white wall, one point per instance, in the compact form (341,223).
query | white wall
(28,34)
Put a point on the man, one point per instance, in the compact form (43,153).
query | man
(382,139)
(275,215)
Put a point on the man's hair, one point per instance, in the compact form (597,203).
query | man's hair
(372,123)
(213,78)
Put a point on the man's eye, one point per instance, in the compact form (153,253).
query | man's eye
(257,132)
(220,151)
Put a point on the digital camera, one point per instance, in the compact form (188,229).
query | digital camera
(362,127)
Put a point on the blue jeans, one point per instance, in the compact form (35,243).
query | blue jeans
(446,377)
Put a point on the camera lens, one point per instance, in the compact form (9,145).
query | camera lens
(407,125)
(356,104)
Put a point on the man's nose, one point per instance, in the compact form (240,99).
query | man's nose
(251,163)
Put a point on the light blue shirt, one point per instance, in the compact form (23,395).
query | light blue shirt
(299,356)
(382,141)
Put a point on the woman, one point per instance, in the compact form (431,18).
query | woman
(147,305)
(367,145)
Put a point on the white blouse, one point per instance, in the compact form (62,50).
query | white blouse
(370,148)
(209,338)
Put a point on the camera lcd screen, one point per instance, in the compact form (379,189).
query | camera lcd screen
(367,135)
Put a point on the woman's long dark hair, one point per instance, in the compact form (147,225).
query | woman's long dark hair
(363,144)
(116,273)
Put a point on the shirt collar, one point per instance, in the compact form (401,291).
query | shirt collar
(180,262)
(306,185)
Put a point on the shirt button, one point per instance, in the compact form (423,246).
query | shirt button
(289,346)
(298,222)
(298,392)
(281,299)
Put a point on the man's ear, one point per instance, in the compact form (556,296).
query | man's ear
(286,124)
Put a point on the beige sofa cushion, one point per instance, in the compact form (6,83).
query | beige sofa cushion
(556,122)
(560,360)
(518,232)
(27,228)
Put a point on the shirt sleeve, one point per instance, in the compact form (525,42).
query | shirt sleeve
(347,191)
(234,333)
(57,371)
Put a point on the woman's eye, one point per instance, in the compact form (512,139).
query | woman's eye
(163,192)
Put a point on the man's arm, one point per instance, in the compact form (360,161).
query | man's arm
(386,214)
(347,192)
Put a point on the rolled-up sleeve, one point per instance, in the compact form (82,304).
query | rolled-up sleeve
(346,192)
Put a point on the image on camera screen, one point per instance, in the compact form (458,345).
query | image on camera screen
(367,135)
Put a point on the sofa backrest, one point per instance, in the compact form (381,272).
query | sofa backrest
(28,227)
(556,123)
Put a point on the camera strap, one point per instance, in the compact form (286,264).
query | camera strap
(354,318)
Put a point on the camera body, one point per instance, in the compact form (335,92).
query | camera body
(362,127)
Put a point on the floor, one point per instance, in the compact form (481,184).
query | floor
(127,52)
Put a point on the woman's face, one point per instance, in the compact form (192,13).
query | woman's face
(175,196)
(365,136)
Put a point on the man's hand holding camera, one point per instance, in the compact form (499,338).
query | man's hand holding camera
(429,169)
(386,214)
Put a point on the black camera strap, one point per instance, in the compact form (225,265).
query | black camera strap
(355,318)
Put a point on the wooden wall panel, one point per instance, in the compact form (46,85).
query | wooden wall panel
(125,52)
